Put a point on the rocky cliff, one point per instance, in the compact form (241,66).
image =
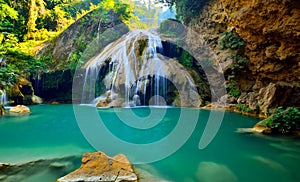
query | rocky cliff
(97,28)
(257,45)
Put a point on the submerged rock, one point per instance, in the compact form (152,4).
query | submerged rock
(214,172)
(4,165)
(38,170)
(100,167)
(147,176)
(20,109)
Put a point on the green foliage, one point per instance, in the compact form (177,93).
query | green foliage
(7,12)
(144,18)
(26,25)
(32,17)
(284,121)
(244,108)
(241,60)
(186,9)
(8,41)
(85,51)
(235,92)
(231,41)
(75,7)
(232,87)
(238,63)
(171,28)
(186,59)
(26,64)
(19,63)
(124,10)
(8,75)
(74,60)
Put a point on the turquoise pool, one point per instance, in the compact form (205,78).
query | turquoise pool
(52,132)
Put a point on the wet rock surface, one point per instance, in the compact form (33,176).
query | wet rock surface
(2,110)
(34,170)
(20,109)
(100,167)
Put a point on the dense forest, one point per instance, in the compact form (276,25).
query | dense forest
(185,9)
(27,25)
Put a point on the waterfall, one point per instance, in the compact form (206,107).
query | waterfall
(3,97)
(132,71)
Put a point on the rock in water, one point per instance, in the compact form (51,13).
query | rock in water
(4,165)
(2,110)
(100,167)
(20,109)
(36,99)
(214,172)
(261,128)
(22,92)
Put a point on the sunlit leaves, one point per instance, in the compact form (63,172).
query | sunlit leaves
(7,12)
(284,121)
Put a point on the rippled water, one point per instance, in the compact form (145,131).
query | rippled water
(51,132)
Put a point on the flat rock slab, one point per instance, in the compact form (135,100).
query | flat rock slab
(100,167)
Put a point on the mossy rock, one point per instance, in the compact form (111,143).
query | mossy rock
(261,127)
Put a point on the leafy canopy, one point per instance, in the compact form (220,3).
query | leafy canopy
(185,9)
(26,25)
(284,121)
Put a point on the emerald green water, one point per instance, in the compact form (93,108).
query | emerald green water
(51,131)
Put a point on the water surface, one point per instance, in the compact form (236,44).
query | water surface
(51,131)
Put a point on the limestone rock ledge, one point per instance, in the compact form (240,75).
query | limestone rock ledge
(100,167)
(270,30)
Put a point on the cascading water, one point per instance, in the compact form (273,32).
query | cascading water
(132,71)
(3,97)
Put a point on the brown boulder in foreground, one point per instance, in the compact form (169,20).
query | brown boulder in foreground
(100,167)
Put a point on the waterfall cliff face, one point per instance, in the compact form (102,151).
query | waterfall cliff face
(270,32)
(132,71)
